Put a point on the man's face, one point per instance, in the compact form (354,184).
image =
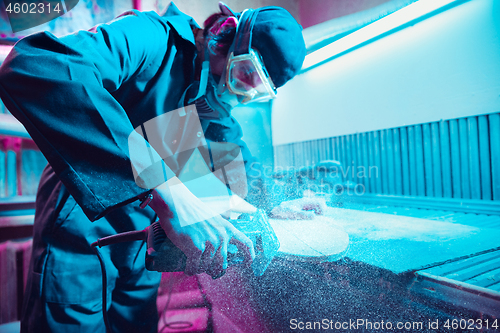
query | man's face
(217,64)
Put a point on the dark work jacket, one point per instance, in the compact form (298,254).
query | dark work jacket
(81,95)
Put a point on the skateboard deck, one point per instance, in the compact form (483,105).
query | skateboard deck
(316,240)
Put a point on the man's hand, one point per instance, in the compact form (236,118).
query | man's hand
(200,233)
(300,209)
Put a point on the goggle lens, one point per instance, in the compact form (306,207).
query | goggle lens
(247,76)
(244,76)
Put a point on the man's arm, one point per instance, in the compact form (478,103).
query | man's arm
(60,89)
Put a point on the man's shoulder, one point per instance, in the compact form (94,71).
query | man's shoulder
(183,24)
(173,12)
(171,17)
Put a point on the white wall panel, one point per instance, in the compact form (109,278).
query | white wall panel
(444,67)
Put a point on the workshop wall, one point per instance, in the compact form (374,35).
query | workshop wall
(444,67)
(314,12)
(419,107)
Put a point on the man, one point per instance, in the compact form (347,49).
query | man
(80,97)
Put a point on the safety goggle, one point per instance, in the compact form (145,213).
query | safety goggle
(246,76)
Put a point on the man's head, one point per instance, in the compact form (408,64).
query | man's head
(249,55)
(275,36)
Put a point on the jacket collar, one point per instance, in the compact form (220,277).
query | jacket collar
(181,22)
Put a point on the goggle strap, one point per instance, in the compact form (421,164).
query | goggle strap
(243,39)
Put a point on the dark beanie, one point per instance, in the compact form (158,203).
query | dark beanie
(278,38)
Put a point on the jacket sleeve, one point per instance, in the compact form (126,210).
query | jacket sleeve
(61,90)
